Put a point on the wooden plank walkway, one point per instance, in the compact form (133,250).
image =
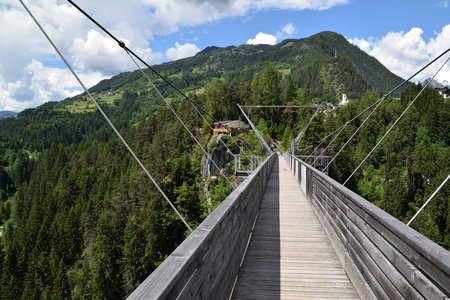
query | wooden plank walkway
(289,255)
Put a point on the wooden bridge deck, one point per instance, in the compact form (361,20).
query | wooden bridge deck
(289,255)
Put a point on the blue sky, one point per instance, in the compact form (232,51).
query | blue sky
(402,34)
(361,19)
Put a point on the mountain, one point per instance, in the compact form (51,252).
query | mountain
(320,68)
(7,114)
(435,84)
(323,65)
(79,220)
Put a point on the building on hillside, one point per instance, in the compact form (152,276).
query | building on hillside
(232,127)
(329,106)
(444,92)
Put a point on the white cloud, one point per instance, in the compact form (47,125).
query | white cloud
(404,53)
(91,53)
(297,4)
(287,32)
(102,54)
(42,84)
(168,15)
(182,51)
(444,3)
(289,29)
(263,38)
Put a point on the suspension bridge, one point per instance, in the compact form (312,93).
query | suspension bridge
(291,232)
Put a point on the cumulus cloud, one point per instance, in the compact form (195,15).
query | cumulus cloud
(41,84)
(289,29)
(286,32)
(406,52)
(91,53)
(297,4)
(182,51)
(102,54)
(263,38)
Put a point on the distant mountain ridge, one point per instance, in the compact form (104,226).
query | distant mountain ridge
(7,114)
(324,65)
(435,84)
(321,67)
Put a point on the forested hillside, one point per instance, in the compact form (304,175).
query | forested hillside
(7,114)
(80,220)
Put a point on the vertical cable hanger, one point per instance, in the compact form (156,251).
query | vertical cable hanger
(106,117)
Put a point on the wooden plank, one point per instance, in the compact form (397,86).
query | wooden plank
(360,285)
(375,249)
(421,263)
(289,254)
(180,271)
(367,274)
(218,262)
(342,232)
(418,266)
(340,244)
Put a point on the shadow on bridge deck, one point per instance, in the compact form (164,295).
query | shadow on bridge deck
(289,255)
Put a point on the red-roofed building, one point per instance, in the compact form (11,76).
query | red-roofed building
(230,127)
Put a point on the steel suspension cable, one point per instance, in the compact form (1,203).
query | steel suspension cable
(385,97)
(299,137)
(300,151)
(235,142)
(320,143)
(428,201)
(106,117)
(179,119)
(396,121)
(340,129)
(200,111)
(328,146)
(122,45)
(356,131)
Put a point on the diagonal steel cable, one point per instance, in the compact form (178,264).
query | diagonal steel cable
(106,118)
(340,129)
(179,119)
(385,97)
(428,201)
(200,111)
(396,121)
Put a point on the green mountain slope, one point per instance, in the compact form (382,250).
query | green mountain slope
(78,218)
(310,61)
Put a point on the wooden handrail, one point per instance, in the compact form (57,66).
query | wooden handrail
(206,264)
(382,256)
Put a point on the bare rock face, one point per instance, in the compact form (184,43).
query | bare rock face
(218,155)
